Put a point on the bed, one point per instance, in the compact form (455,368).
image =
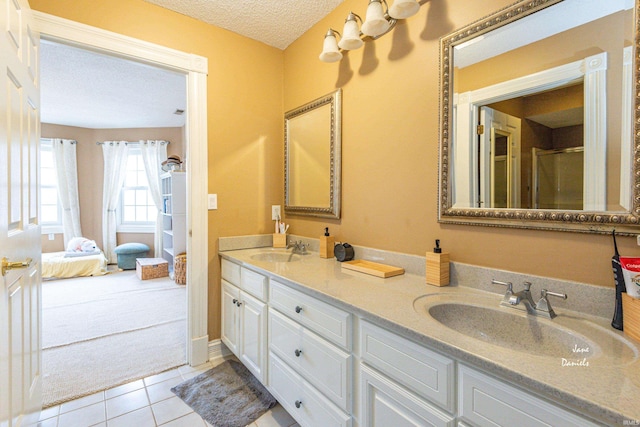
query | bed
(55,265)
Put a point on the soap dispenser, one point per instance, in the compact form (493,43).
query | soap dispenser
(326,244)
(437,266)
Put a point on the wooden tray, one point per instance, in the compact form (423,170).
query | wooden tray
(373,268)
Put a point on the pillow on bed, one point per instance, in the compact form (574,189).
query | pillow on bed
(78,254)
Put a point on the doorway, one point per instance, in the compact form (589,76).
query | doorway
(195,69)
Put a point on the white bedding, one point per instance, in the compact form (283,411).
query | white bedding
(56,265)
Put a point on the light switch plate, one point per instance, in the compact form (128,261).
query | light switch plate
(212,201)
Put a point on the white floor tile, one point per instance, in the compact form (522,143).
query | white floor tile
(190,420)
(125,388)
(139,418)
(83,417)
(154,379)
(49,422)
(185,369)
(126,403)
(170,409)
(162,391)
(49,412)
(81,402)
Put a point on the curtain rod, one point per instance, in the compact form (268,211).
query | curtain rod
(130,142)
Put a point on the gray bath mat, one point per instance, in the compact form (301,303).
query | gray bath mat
(226,396)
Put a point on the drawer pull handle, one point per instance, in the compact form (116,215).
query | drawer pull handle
(298,404)
(298,309)
(298,352)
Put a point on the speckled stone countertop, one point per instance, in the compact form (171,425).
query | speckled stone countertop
(605,388)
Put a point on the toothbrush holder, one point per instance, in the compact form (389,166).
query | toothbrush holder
(279,240)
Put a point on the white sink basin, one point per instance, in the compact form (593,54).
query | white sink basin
(570,337)
(275,256)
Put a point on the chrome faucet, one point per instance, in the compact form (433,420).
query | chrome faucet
(522,300)
(298,247)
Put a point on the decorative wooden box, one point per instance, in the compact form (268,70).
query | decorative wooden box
(631,316)
(151,268)
(279,240)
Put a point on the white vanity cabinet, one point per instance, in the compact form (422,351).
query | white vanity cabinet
(310,360)
(244,316)
(487,401)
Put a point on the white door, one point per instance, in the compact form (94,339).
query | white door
(20,249)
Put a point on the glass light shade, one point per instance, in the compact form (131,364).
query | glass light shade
(375,24)
(402,9)
(350,34)
(330,52)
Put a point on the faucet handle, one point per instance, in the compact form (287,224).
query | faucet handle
(543,304)
(509,285)
(544,293)
(527,286)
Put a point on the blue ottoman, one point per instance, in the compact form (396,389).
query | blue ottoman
(128,252)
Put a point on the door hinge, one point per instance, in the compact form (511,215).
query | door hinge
(480,129)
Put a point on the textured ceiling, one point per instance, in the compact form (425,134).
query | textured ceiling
(91,90)
(277,23)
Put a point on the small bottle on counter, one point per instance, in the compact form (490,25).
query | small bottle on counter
(437,266)
(326,244)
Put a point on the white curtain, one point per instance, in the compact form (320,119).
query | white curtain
(153,154)
(64,156)
(115,167)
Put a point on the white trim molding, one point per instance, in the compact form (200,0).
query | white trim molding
(195,68)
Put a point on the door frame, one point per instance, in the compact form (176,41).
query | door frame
(195,69)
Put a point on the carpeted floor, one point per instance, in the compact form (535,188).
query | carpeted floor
(101,332)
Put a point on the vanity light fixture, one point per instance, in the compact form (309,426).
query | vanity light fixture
(377,23)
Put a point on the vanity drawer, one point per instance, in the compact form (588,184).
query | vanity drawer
(304,403)
(486,401)
(385,403)
(230,272)
(324,319)
(323,364)
(423,371)
(253,283)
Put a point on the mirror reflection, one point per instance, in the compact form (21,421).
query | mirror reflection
(312,158)
(539,107)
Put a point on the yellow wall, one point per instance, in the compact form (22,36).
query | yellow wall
(390,137)
(390,151)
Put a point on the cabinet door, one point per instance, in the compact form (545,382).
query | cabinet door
(253,335)
(385,403)
(488,402)
(230,316)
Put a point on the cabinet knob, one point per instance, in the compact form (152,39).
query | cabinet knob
(238,303)
(235,301)
(298,403)
(298,352)
(298,309)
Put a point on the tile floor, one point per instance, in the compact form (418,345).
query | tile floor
(144,403)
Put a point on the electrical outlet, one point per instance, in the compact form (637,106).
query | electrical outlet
(275,212)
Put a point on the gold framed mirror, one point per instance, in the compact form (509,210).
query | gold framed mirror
(312,156)
(539,127)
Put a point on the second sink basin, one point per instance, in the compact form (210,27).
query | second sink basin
(571,338)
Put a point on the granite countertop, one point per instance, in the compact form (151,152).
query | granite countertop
(606,389)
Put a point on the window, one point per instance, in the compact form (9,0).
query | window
(50,207)
(136,212)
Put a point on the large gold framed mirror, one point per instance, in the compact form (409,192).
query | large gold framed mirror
(539,125)
(312,148)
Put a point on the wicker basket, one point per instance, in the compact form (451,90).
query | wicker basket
(151,268)
(180,269)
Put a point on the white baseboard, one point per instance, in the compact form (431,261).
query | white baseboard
(217,350)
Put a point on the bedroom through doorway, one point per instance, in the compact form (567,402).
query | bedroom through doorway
(89,97)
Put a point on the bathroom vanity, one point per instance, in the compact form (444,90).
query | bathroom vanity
(342,348)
